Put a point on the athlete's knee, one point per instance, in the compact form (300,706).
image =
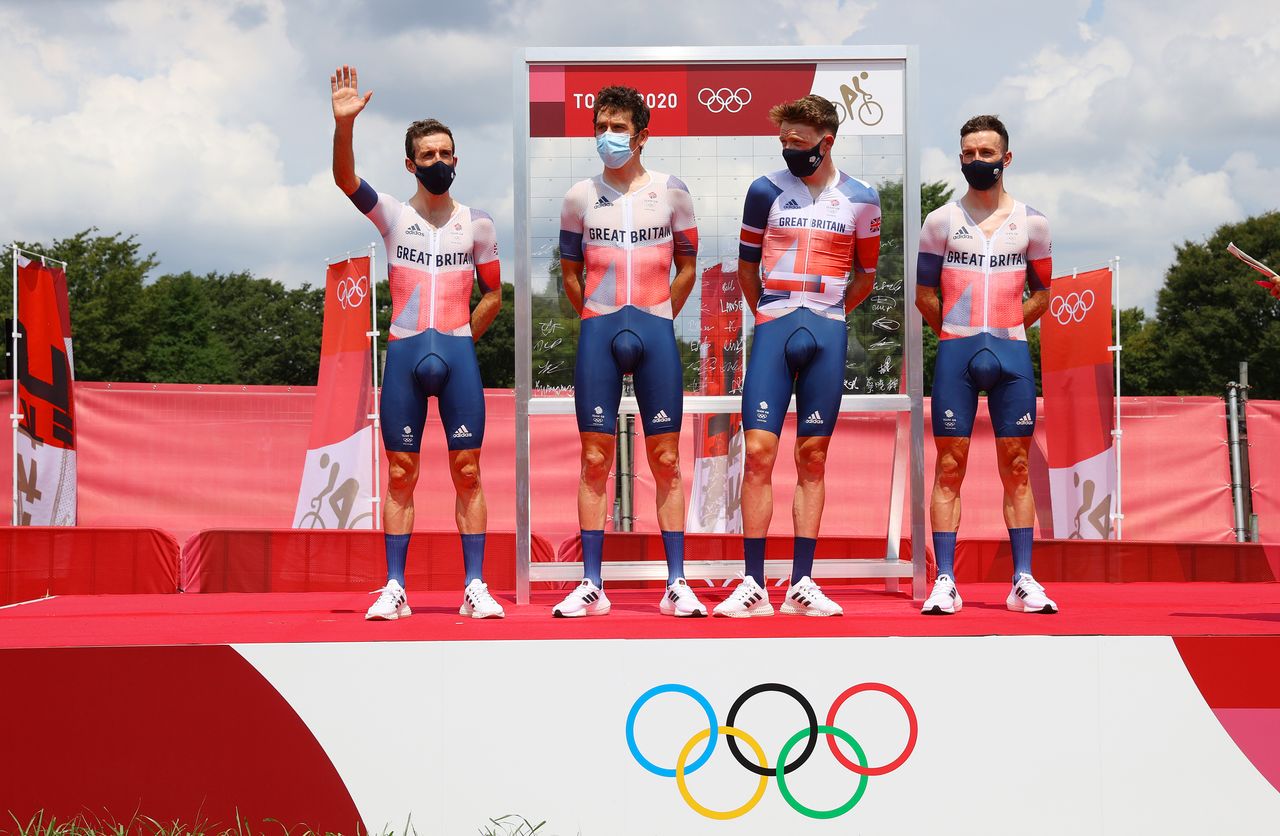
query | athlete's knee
(811,463)
(466,474)
(402,474)
(1015,468)
(951,469)
(664,461)
(595,464)
(761,452)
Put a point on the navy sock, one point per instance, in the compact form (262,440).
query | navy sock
(673,545)
(473,556)
(593,556)
(944,552)
(397,546)
(802,558)
(1020,539)
(753,553)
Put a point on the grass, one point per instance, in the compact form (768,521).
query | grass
(90,824)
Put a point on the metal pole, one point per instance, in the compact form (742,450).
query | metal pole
(625,478)
(13,416)
(377,413)
(1233,435)
(915,353)
(524,320)
(1117,516)
(1246,476)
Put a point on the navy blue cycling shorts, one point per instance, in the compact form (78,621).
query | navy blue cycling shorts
(802,350)
(1000,367)
(628,341)
(429,364)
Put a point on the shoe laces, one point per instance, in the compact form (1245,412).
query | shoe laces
(1029,583)
(943,583)
(683,592)
(745,587)
(815,593)
(480,597)
(387,595)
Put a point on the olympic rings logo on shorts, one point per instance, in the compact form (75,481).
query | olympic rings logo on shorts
(1072,307)
(351,291)
(724,99)
(760,767)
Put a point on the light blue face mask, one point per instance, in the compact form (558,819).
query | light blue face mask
(614,148)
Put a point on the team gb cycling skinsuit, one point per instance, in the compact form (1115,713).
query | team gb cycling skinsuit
(983,345)
(807,249)
(430,350)
(625,243)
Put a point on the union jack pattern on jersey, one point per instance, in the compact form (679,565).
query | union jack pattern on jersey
(626,242)
(982,277)
(431,269)
(807,247)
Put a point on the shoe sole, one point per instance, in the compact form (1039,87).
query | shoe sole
(702,613)
(471,613)
(1045,610)
(744,614)
(393,617)
(785,609)
(582,613)
(937,610)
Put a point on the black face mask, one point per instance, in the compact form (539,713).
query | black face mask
(436,178)
(803,161)
(980,175)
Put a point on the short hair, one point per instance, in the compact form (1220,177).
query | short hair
(425,127)
(626,99)
(986,122)
(812,110)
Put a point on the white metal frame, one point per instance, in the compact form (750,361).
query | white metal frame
(909,441)
(15,416)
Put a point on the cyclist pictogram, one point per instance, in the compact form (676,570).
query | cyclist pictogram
(859,103)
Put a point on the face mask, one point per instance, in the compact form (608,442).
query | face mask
(981,175)
(803,162)
(614,148)
(437,177)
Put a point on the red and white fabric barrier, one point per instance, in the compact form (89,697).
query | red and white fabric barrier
(46,418)
(1079,391)
(338,489)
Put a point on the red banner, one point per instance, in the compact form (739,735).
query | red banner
(337,477)
(1079,392)
(46,407)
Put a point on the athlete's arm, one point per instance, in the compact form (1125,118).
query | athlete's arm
(755,217)
(484,254)
(347,104)
(572,217)
(933,246)
(865,253)
(684,235)
(1039,267)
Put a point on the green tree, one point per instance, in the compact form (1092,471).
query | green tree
(1210,315)
(105,277)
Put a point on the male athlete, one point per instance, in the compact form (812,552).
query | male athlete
(620,232)
(809,246)
(436,248)
(981,251)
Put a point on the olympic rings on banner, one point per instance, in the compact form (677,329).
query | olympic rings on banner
(1072,307)
(781,768)
(911,735)
(671,688)
(763,769)
(724,99)
(832,733)
(351,291)
(731,733)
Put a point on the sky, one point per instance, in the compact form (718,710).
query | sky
(204,128)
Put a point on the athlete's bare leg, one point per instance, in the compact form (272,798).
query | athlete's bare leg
(757,482)
(944,504)
(1015,474)
(664,464)
(469,510)
(397,511)
(811,485)
(597,459)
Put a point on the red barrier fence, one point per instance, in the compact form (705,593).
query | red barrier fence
(189,458)
(35,562)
